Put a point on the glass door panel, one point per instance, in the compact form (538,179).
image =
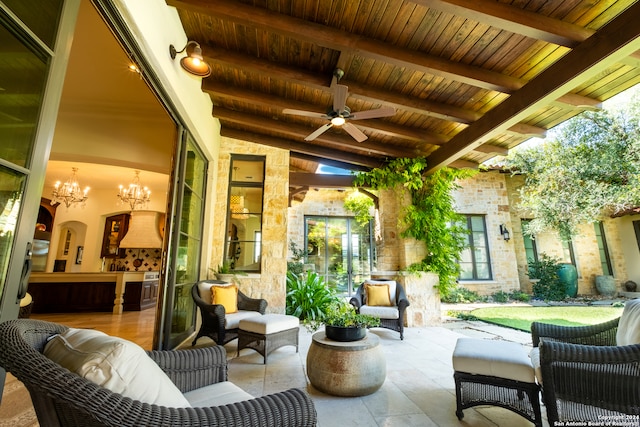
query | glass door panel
(341,251)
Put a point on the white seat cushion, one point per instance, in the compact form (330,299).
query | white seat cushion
(217,394)
(269,323)
(232,321)
(115,364)
(380,311)
(534,355)
(502,359)
(629,325)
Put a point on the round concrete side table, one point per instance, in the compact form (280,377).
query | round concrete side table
(354,368)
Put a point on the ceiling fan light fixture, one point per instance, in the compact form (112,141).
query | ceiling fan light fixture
(194,62)
(338,121)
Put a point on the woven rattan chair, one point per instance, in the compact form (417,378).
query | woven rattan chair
(62,398)
(585,374)
(395,322)
(216,324)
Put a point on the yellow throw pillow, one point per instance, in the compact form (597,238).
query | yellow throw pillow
(377,295)
(227,296)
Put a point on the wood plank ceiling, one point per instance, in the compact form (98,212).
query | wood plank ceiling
(468,79)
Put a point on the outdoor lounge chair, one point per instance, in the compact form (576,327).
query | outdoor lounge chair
(63,398)
(590,373)
(217,324)
(392,315)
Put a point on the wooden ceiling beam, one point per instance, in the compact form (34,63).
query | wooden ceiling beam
(338,142)
(616,40)
(492,149)
(527,130)
(513,19)
(317,180)
(328,162)
(299,29)
(303,148)
(463,164)
(219,90)
(573,100)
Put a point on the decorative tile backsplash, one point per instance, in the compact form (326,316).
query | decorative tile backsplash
(149,260)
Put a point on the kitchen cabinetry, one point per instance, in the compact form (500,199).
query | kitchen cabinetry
(115,227)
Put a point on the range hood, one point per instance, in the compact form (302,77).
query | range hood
(144,230)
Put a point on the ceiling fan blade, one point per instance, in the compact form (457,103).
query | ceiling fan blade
(304,113)
(373,114)
(340,97)
(322,129)
(354,132)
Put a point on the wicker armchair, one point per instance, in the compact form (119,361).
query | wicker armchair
(216,324)
(394,322)
(62,398)
(585,374)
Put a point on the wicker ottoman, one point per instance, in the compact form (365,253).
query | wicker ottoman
(497,373)
(268,332)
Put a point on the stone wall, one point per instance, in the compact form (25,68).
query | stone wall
(270,284)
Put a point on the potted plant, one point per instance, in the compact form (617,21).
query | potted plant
(343,323)
(224,272)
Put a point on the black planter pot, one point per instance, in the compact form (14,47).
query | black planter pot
(339,333)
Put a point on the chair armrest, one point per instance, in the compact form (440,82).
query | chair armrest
(251,304)
(603,376)
(600,334)
(356,303)
(191,369)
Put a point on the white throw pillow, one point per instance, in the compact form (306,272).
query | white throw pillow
(629,325)
(115,364)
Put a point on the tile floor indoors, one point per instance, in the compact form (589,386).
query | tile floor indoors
(418,390)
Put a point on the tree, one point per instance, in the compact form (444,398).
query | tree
(591,169)
(431,217)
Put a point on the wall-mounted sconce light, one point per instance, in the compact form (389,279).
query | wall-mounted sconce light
(194,62)
(505,233)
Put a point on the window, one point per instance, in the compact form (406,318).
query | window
(530,248)
(568,254)
(474,261)
(244,213)
(603,249)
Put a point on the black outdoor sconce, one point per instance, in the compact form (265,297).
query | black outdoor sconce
(505,233)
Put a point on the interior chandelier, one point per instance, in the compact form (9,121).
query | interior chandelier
(236,204)
(69,192)
(135,194)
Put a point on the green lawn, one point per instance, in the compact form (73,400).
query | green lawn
(522,317)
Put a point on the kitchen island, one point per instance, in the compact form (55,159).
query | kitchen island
(93,292)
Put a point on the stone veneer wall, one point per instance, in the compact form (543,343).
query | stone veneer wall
(585,246)
(270,284)
(486,194)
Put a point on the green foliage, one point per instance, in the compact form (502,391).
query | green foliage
(461,295)
(296,265)
(501,296)
(307,296)
(591,169)
(430,217)
(520,296)
(549,286)
(341,313)
(360,204)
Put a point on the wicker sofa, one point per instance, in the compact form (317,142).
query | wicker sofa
(63,398)
(590,373)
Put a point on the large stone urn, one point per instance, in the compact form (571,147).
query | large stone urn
(568,275)
(606,285)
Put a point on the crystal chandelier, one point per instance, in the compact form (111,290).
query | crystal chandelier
(69,192)
(135,194)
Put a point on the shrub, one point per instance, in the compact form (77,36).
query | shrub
(500,296)
(461,295)
(520,296)
(307,296)
(549,286)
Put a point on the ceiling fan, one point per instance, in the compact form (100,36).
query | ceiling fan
(340,113)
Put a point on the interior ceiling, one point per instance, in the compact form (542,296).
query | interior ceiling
(468,79)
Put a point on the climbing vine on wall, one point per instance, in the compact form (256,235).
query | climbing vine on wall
(431,216)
